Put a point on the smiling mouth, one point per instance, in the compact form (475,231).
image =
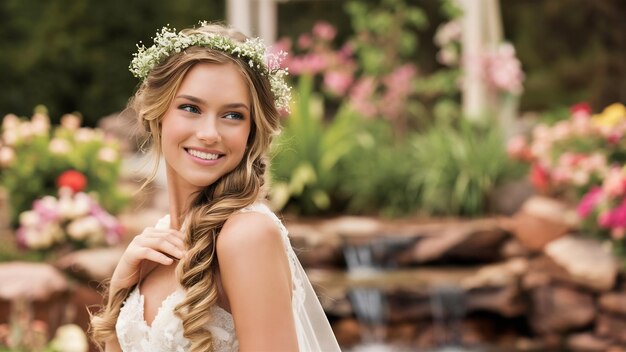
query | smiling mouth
(203,155)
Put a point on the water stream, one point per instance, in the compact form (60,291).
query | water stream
(371,258)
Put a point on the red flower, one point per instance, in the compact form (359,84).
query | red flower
(73,180)
(539,178)
(581,108)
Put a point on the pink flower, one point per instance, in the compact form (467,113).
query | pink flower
(539,177)
(516,147)
(398,87)
(10,122)
(582,109)
(46,208)
(542,132)
(589,202)
(310,63)
(324,30)
(614,137)
(503,70)
(361,96)
(448,32)
(562,130)
(614,218)
(70,121)
(614,183)
(113,229)
(337,82)
(305,41)
(345,53)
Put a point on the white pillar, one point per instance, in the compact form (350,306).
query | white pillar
(494,23)
(239,15)
(267,20)
(473,92)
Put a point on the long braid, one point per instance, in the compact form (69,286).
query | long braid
(198,270)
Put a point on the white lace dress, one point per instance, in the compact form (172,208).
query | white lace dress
(166,331)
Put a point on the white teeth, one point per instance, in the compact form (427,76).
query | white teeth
(202,155)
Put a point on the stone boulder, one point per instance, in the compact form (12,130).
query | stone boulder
(30,281)
(587,262)
(559,308)
(587,342)
(613,302)
(611,326)
(478,240)
(91,264)
(542,220)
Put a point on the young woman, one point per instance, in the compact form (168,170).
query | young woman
(218,273)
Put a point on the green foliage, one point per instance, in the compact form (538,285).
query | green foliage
(305,156)
(74,55)
(571,51)
(459,166)
(378,174)
(445,170)
(385,34)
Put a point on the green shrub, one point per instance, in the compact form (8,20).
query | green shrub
(305,156)
(459,166)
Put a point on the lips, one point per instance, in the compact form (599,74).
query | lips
(204,155)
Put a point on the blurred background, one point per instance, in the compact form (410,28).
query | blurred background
(451,172)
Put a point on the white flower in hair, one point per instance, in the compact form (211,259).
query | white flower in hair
(253,51)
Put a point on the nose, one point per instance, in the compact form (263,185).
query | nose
(208,131)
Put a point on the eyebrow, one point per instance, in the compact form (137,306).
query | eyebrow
(200,101)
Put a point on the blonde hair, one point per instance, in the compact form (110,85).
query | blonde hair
(214,204)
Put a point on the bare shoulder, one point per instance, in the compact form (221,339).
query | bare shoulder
(249,231)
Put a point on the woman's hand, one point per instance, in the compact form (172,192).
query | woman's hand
(147,250)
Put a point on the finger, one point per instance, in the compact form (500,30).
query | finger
(162,244)
(149,232)
(157,257)
(177,242)
(178,234)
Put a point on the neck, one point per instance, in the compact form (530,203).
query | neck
(180,197)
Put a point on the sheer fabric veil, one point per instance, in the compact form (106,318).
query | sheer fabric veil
(312,326)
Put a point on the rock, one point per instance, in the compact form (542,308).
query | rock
(506,301)
(314,247)
(508,197)
(558,308)
(91,264)
(587,342)
(347,332)
(30,281)
(542,220)
(586,261)
(475,239)
(535,279)
(497,275)
(613,302)
(402,334)
(513,248)
(611,326)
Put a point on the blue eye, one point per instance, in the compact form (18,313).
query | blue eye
(190,108)
(234,116)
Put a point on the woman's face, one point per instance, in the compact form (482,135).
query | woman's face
(205,129)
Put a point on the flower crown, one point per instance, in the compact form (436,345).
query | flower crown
(168,42)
